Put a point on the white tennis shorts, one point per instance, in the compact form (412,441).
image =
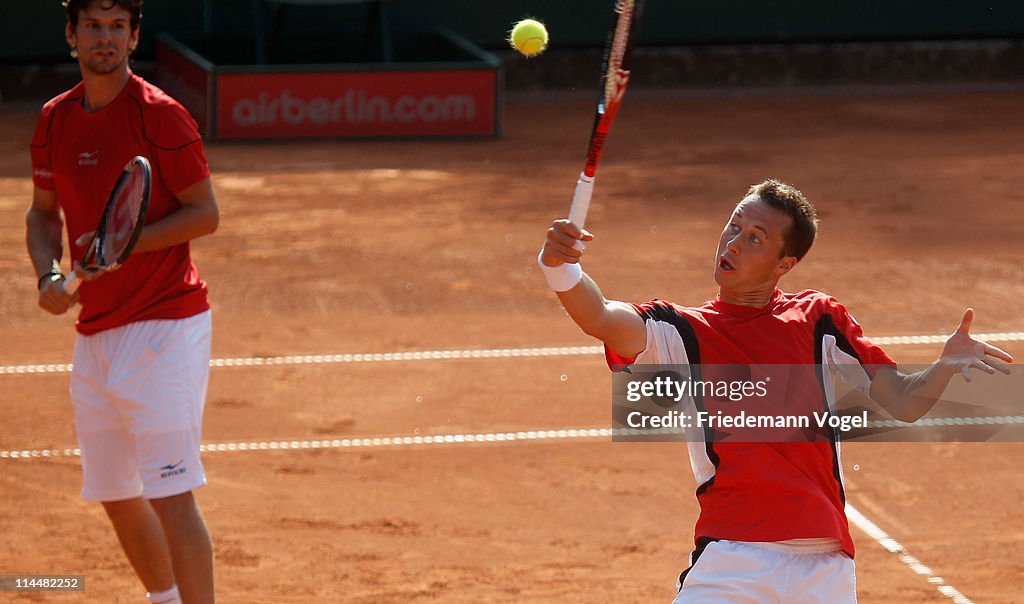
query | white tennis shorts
(138,393)
(732,572)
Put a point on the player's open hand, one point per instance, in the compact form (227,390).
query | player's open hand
(560,247)
(53,299)
(962,352)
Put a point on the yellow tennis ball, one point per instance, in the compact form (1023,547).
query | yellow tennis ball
(529,37)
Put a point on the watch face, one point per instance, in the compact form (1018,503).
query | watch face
(51,276)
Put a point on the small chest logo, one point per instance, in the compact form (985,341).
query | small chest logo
(88,158)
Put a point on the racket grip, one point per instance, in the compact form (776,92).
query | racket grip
(581,203)
(71,283)
(581,200)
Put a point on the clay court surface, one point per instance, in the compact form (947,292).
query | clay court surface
(368,246)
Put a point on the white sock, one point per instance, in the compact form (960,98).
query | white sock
(169,596)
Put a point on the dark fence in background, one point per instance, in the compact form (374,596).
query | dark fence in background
(31,31)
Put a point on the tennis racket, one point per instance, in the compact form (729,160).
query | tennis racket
(122,220)
(614,78)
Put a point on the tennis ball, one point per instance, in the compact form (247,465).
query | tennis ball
(529,37)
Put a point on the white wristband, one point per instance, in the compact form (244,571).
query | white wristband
(563,277)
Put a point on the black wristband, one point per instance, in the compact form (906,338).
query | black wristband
(50,276)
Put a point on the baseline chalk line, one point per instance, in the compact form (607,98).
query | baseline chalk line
(368,442)
(436,355)
(379,442)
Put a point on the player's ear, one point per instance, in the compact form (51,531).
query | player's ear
(69,35)
(133,42)
(786,264)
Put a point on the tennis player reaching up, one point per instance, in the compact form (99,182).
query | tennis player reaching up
(772,525)
(141,360)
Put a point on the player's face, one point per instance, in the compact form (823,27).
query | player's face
(104,37)
(749,253)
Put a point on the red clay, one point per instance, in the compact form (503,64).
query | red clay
(329,247)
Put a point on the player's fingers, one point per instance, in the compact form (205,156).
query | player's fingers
(86,274)
(54,310)
(966,370)
(570,229)
(51,302)
(85,238)
(1000,367)
(565,258)
(46,304)
(554,253)
(965,322)
(566,251)
(998,353)
(980,364)
(587,235)
(560,238)
(57,309)
(65,299)
(62,298)
(552,258)
(560,252)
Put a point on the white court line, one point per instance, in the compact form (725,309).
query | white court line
(369,442)
(491,353)
(894,547)
(365,357)
(377,442)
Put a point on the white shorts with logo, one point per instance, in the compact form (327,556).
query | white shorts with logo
(734,572)
(138,393)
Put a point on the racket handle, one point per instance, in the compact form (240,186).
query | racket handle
(71,283)
(581,203)
(581,200)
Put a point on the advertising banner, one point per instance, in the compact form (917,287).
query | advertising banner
(357,104)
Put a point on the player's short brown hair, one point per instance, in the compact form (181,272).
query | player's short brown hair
(74,7)
(800,235)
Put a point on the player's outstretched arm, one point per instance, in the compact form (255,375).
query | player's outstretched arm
(615,323)
(43,232)
(910,397)
(197,216)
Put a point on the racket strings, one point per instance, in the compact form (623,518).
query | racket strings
(124,216)
(617,52)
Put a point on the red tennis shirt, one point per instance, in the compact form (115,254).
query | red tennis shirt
(79,155)
(766,491)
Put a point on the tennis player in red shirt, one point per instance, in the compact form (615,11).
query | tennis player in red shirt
(772,525)
(141,361)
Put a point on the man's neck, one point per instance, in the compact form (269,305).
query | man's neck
(102,88)
(756,298)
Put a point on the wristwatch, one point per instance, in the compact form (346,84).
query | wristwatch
(50,276)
